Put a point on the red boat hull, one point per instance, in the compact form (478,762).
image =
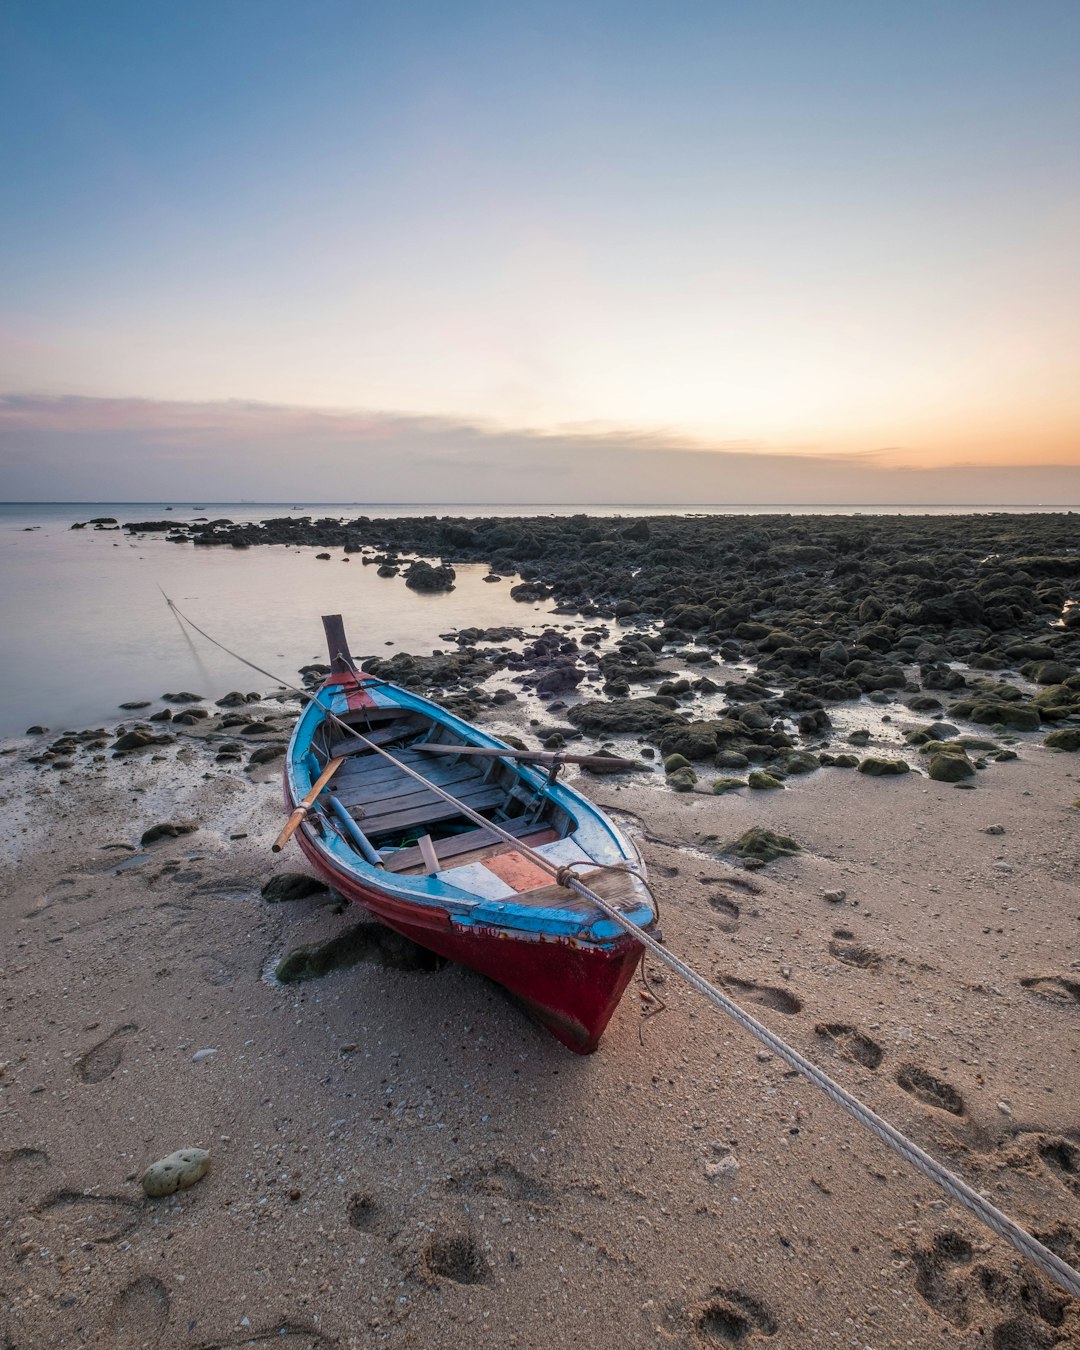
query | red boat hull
(572,988)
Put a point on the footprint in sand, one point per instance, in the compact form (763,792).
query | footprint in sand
(731,1317)
(456,1257)
(218,970)
(851,1043)
(765,994)
(139,1314)
(931,1091)
(104,1059)
(17,1163)
(1063,1159)
(503,1178)
(935,1271)
(73,1217)
(728,911)
(362,1212)
(954,1285)
(853,953)
(175,914)
(1055,989)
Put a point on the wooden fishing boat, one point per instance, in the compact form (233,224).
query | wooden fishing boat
(417,862)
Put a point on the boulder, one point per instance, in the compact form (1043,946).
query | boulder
(877,767)
(168,829)
(763,845)
(292,886)
(421,576)
(950,766)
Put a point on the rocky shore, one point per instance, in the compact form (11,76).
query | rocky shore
(396,1155)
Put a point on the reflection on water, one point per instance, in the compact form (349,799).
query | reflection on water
(86,626)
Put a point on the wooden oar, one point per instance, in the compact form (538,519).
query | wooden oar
(612,763)
(305,806)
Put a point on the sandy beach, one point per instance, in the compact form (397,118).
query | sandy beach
(400,1157)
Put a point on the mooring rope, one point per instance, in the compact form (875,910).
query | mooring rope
(987,1213)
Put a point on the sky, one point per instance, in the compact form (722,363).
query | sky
(469,251)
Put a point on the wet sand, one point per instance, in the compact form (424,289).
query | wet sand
(400,1157)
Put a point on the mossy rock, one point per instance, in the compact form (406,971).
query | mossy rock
(674,762)
(975,743)
(763,846)
(840,761)
(877,767)
(1003,755)
(292,886)
(682,780)
(801,761)
(950,768)
(730,759)
(1052,672)
(722,785)
(919,736)
(1068,738)
(763,782)
(1018,716)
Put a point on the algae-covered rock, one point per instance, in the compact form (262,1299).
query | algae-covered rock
(682,780)
(1018,716)
(176,1172)
(763,845)
(730,759)
(1003,755)
(950,767)
(1068,738)
(877,767)
(266,754)
(673,762)
(1052,672)
(801,761)
(292,886)
(839,761)
(624,716)
(168,829)
(722,785)
(137,740)
(763,782)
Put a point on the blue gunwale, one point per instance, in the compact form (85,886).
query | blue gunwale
(594,832)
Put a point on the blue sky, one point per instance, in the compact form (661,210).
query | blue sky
(810,229)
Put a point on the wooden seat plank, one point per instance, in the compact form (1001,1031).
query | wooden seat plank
(483,800)
(361,793)
(457,845)
(369,776)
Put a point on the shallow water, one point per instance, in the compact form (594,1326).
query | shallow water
(86,626)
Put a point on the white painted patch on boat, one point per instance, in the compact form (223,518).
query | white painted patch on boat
(476,878)
(564,851)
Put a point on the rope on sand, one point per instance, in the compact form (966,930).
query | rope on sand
(998,1222)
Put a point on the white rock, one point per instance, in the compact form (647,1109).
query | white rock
(176,1172)
(200,1055)
(723,1169)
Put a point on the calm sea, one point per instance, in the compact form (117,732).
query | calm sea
(85,626)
